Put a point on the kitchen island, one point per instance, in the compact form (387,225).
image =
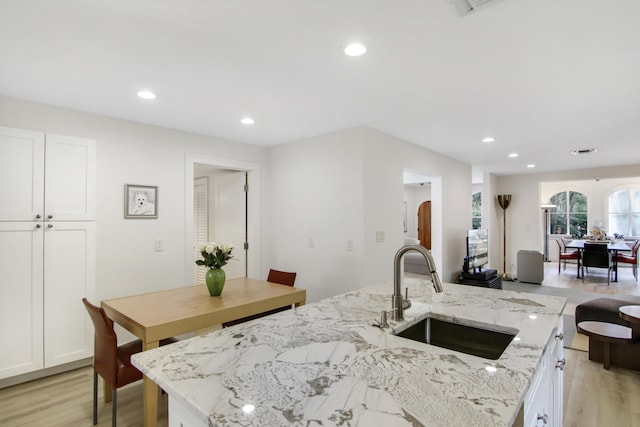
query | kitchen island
(324,364)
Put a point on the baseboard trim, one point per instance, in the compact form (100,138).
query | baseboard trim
(41,373)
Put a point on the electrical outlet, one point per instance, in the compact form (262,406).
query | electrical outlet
(349,245)
(159,245)
(379,236)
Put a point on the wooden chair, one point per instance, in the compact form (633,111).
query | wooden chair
(564,254)
(110,361)
(631,259)
(597,255)
(274,276)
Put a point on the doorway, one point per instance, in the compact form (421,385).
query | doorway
(233,212)
(220,213)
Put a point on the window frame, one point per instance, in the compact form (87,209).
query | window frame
(568,213)
(629,213)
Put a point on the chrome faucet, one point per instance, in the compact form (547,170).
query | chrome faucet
(398,303)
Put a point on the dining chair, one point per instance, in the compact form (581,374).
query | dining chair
(597,255)
(564,254)
(631,259)
(111,361)
(274,276)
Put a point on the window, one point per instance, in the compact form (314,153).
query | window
(570,214)
(624,212)
(476,210)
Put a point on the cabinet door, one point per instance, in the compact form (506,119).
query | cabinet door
(21,276)
(70,176)
(69,254)
(21,174)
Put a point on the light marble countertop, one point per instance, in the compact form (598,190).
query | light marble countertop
(323,364)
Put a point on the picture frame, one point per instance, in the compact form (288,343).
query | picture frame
(140,201)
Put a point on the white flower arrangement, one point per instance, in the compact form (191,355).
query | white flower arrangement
(598,233)
(215,255)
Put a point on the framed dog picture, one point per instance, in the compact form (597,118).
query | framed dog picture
(140,201)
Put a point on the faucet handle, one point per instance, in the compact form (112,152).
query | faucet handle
(406,303)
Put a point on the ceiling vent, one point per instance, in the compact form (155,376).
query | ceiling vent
(465,7)
(584,151)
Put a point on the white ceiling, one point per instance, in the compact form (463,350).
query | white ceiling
(542,76)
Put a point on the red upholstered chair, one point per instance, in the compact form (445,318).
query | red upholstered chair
(564,254)
(623,258)
(111,361)
(275,276)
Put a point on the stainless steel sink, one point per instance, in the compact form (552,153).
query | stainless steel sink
(475,340)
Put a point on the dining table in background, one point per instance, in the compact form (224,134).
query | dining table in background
(164,314)
(614,247)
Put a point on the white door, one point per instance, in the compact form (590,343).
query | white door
(69,254)
(21,275)
(21,174)
(229,219)
(70,176)
(200,223)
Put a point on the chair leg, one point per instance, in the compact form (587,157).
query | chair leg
(114,406)
(95,398)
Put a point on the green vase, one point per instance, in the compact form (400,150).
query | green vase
(215,281)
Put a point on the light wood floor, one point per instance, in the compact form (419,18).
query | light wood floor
(593,397)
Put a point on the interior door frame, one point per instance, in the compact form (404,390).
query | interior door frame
(253,210)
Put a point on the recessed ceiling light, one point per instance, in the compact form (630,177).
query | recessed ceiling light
(531,165)
(584,151)
(488,139)
(147,94)
(513,155)
(247,121)
(355,49)
(491,368)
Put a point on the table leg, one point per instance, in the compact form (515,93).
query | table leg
(106,389)
(578,264)
(606,357)
(150,393)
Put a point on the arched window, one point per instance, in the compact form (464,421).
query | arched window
(476,210)
(624,212)
(570,214)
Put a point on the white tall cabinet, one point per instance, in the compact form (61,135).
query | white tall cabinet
(47,249)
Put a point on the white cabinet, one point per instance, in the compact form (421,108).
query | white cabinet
(543,402)
(69,176)
(21,298)
(69,265)
(47,249)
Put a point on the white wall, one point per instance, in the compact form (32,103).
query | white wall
(347,186)
(134,153)
(335,189)
(524,217)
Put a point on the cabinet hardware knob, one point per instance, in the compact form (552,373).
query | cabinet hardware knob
(544,418)
(38,226)
(560,364)
(50,216)
(38,216)
(50,226)
(560,337)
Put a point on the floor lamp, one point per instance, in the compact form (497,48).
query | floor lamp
(546,209)
(504,200)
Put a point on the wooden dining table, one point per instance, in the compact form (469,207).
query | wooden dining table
(164,314)
(614,247)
